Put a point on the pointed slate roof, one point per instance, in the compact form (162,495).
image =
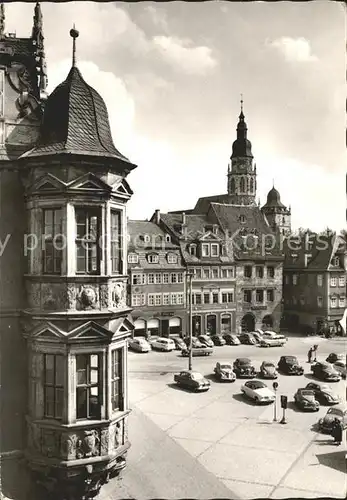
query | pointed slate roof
(76,122)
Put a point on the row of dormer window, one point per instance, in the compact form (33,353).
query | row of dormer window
(259,271)
(156,278)
(152,258)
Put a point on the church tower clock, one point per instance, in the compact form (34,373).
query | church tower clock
(242,182)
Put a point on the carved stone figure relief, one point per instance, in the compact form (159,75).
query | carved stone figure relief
(104,441)
(50,443)
(104,296)
(34,295)
(68,446)
(87,297)
(119,295)
(26,103)
(71,296)
(88,445)
(118,441)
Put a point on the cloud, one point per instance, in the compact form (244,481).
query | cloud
(158,17)
(182,54)
(119,102)
(293,49)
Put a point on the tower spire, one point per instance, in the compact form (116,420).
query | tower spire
(38,24)
(2,20)
(74,34)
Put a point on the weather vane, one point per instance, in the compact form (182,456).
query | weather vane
(74,34)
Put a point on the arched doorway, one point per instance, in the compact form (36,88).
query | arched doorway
(268,321)
(248,323)
(140,328)
(211,324)
(153,326)
(225,324)
(175,326)
(196,323)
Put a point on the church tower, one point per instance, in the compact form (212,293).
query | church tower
(242,182)
(277,214)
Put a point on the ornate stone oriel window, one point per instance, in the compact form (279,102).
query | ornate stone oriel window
(52,240)
(117,397)
(88,386)
(116,243)
(53,369)
(88,231)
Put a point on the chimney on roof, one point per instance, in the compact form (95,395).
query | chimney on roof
(157,216)
(183,218)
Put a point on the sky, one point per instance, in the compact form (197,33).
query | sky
(171,75)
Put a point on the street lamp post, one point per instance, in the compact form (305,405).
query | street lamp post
(190,275)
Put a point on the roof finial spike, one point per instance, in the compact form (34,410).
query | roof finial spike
(241,103)
(273,182)
(74,34)
(2,20)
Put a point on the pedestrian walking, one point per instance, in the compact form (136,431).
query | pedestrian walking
(309,355)
(337,431)
(315,349)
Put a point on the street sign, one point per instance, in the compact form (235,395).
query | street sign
(284,402)
(275,385)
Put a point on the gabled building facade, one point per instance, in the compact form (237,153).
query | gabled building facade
(233,251)
(314,286)
(64,315)
(157,282)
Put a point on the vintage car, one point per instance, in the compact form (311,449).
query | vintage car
(333,357)
(179,343)
(139,344)
(268,370)
(243,368)
(323,393)
(224,371)
(247,338)
(258,392)
(218,340)
(258,337)
(325,371)
(192,380)
(275,341)
(163,344)
(340,366)
(290,365)
(231,339)
(205,339)
(305,400)
(195,342)
(198,351)
(339,411)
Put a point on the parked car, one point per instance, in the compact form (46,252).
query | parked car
(268,370)
(205,339)
(340,366)
(323,393)
(269,333)
(258,337)
(195,342)
(218,340)
(231,339)
(290,365)
(325,371)
(339,412)
(224,371)
(275,341)
(244,368)
(258,391)
(198,351)
(247,338)
(305,400)
(179,343)
(163,344)
(139,344)
(192,380)
(333,357)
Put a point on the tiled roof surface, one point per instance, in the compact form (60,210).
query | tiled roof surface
(321,248)
(76,122)
(203,204)
(137,229)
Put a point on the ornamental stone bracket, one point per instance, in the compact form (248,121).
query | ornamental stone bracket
(107,294)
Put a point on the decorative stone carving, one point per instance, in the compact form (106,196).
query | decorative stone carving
(34,442)
(34,295)
(104,441)
(88,445)
(104,296)
(68,446)
(50,443)
(87,297)
(118,295)
(71,294)
(19,79)
(118,438)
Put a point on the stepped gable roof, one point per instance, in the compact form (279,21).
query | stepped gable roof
(247,221)
(320,247)
(203,204)
(76,122)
